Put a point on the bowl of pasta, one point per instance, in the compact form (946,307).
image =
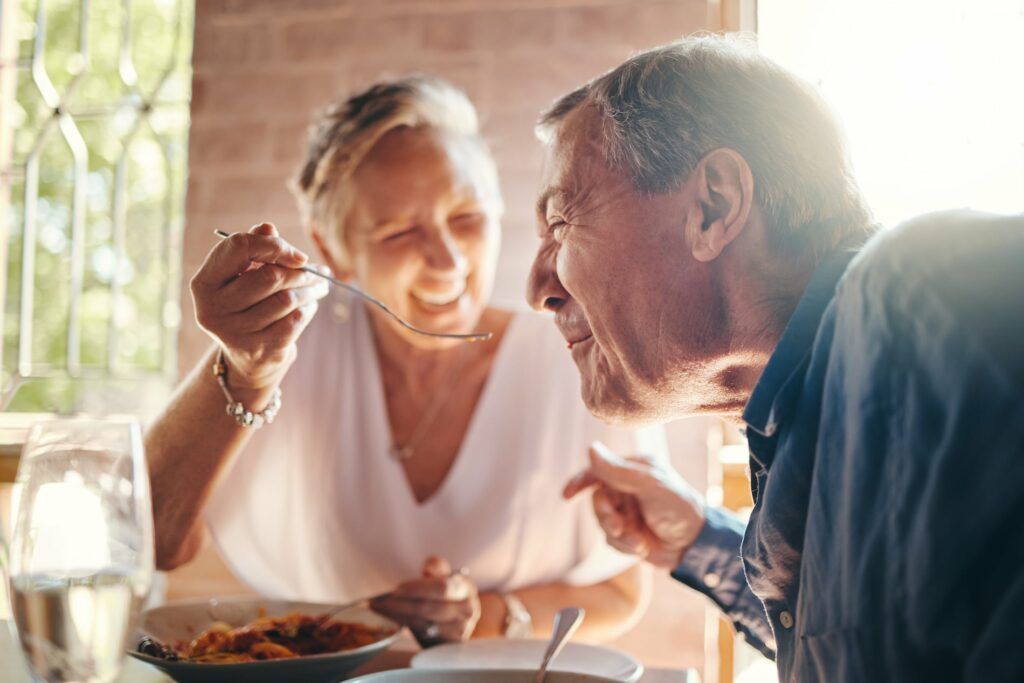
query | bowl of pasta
(257,640)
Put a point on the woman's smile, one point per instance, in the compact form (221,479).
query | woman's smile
(440,297)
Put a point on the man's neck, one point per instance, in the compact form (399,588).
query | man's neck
(759,300)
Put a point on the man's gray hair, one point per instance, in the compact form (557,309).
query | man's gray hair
(666,108)
(345,132)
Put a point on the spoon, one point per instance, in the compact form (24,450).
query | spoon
(471,337)
(567,621)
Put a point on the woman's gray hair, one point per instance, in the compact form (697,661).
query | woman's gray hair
(345,132)
(664,109)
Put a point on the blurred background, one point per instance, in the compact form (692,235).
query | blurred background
(130,129)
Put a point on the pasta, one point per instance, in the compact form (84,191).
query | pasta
(295,635)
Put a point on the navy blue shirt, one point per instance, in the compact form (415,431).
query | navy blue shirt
(887,458)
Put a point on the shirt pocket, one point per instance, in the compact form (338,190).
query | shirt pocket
(839,655)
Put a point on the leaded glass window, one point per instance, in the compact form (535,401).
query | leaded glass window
(93,143)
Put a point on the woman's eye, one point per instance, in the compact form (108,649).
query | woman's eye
(398,234)
(467,218)
(557,228)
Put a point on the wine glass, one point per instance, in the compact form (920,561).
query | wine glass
(81,553)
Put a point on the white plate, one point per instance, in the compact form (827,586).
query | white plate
(507,653)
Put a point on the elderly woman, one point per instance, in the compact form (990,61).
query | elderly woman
(389,447)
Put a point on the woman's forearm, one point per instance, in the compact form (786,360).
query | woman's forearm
(187,447)
(612,607)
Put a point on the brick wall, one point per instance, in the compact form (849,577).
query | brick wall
(262,66)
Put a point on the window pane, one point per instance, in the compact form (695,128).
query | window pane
(113,84)
(925,91)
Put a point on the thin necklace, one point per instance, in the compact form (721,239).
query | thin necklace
(403,452)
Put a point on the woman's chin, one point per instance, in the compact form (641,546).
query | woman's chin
(461,316)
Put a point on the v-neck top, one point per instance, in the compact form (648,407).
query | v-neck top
(315,507)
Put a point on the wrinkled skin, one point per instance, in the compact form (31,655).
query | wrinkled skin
(643,505)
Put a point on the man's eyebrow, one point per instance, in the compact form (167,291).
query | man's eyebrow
(560,193)
(541,207)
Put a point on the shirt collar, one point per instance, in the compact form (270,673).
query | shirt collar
(770,402)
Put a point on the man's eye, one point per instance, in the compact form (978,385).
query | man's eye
(557,228)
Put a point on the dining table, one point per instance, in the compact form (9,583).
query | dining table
(398,656)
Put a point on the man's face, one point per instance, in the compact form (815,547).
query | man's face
(615,267)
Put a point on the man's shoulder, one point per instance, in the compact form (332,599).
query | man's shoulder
(941,248)
(941,281)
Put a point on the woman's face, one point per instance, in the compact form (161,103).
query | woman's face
(422,232)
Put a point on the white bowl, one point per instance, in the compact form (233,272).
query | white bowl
(475,676)
(519,654)
(183,621)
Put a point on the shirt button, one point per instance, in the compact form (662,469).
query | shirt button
(712,580)
(786,619)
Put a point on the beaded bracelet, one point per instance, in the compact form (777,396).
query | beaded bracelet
(235,409)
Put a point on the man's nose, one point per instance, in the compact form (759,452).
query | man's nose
(544,291)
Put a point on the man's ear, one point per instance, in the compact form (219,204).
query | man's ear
(327,254)
(725,190)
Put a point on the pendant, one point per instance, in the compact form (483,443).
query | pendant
(401,453)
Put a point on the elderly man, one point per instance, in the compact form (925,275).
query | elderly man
(705,250)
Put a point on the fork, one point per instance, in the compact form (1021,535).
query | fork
(471,337)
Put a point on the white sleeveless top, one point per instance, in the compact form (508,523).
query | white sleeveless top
(315,508)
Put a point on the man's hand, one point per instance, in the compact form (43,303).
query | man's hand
(643,505)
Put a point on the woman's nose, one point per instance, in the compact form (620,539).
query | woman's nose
(444,253)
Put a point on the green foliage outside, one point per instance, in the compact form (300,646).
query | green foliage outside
(130,105)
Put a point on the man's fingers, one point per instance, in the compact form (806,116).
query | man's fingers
(579,483)
(617,472)
(608,515)
(644,459)
(631,544)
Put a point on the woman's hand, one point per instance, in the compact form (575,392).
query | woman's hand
(251,297)
(440,606)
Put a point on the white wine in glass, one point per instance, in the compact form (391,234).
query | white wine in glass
(81,555)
